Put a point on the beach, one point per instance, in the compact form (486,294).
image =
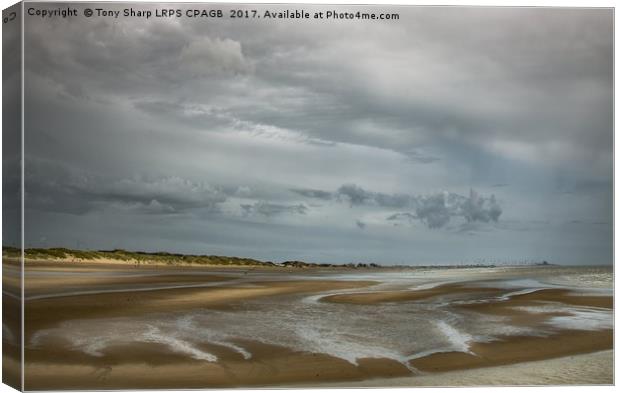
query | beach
(98,325)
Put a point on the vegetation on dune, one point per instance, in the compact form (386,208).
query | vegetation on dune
(10,252)
(159,258)
(137,257)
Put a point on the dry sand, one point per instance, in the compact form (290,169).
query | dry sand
(585,369)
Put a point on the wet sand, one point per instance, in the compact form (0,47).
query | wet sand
(11,341)
(509,349)
(46,312)
(11,323)
(516,349)
(153,365)
(409,295)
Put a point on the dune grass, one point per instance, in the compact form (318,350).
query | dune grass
(137,257)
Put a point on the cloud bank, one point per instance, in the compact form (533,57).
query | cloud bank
(405,141)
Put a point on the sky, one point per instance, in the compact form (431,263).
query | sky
(451,135)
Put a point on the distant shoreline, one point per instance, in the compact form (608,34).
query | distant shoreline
(137,258)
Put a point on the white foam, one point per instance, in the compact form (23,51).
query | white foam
(526,291)
(337,345)
(459,340)
(79,339)
(94,336)
(92,347)
(430,285)
(580,318)
(584,319)
(153,334)
(314,299)
(246,355)
(595,278)
(187,326)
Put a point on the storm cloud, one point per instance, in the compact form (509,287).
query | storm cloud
(437,210)
(272,209)
(331,142)
(320,194)
(55,188)
(434,210)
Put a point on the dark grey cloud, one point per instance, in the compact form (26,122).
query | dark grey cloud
(196,132)
(272,209)
(400,216)
(525,95)
(318,194)
(134,58)
(434,210)
(437,210)
(481,209)
(356,195)
(393,200)
(516,85)
(53,187)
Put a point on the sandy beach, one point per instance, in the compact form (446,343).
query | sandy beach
(585,369)
(104,326)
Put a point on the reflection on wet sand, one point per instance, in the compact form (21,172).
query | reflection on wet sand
(166,327)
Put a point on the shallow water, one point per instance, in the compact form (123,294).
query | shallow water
(401,330)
